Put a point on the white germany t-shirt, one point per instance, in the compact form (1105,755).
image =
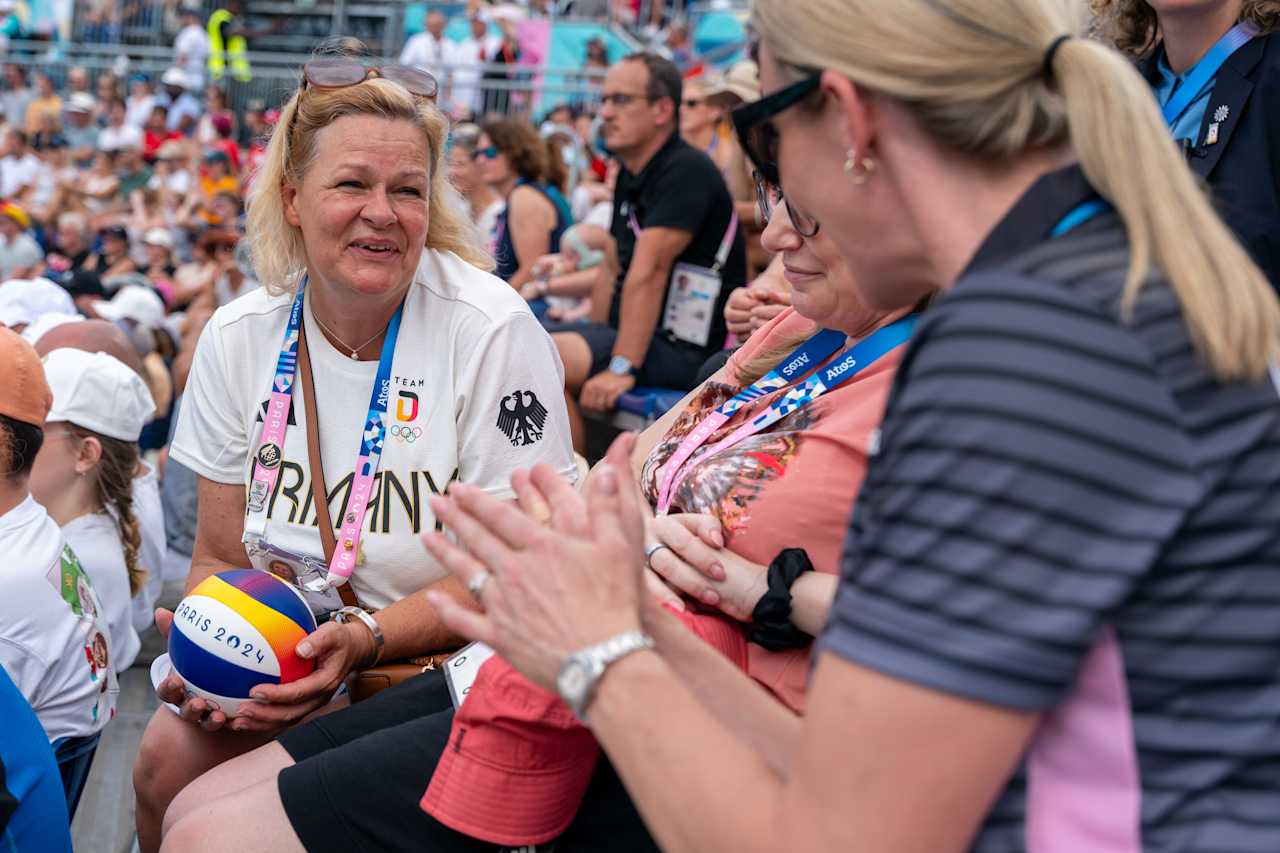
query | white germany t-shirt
(53,631)
(476,393)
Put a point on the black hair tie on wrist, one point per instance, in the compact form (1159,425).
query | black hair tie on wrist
(771,625)
(1046,67)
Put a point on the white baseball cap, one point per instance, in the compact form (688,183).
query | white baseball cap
(80,102)
(46,323)
(133,302)
(22,301)
(98,392)
(158,237)
(174,77)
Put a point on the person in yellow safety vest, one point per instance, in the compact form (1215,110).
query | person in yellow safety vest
(227,43)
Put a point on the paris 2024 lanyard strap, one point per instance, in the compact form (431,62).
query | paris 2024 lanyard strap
(266,466)
(800,362)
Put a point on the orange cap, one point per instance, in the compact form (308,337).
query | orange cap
(527,761)
(24,395)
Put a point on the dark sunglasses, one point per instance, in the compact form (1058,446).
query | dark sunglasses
(769,198)
(489,153)
(341,71)
(753,123)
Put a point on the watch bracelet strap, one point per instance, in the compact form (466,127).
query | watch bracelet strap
(361,615)
(619,646)
(600,657)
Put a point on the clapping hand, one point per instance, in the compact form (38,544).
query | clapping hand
(547,591)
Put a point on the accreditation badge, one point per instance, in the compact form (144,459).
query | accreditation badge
(300,571)
(691,303)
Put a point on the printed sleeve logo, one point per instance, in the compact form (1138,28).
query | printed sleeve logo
(521,418)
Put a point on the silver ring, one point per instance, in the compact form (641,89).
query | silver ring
(476,585)
(650,550)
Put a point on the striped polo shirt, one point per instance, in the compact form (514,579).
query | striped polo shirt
(1069,515)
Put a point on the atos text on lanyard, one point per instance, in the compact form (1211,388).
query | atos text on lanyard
(800,362)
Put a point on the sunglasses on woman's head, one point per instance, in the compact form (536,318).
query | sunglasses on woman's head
(489,153)
(753,124)
(769,198)
(339,72)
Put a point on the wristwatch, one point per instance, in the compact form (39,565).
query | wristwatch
(581,671)
(347,614)
(622,366)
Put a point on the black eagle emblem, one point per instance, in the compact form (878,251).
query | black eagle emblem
(521,418)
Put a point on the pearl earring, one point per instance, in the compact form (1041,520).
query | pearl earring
(858,170)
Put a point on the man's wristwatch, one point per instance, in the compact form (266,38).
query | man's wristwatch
(581,671)
(347,614)
(620,365)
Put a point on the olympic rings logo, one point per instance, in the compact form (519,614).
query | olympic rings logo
(406,433)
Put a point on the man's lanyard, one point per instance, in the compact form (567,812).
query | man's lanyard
(266,466)
(726,242)
(801,361)
(1206,70)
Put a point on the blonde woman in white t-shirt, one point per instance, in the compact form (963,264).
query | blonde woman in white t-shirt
(352,209)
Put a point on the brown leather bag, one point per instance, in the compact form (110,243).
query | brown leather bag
(361,684)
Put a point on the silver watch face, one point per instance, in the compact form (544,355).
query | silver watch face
(573,682)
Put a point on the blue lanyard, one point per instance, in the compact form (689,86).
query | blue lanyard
(1078,216)
(861,356)
(371,436)
(801,360)
(1206,70)
(375,427)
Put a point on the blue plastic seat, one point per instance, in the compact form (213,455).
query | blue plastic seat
(650,403)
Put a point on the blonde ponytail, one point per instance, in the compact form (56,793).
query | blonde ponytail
(114,481)
(971,72)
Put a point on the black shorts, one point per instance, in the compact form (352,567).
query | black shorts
(361,772)
(668,364)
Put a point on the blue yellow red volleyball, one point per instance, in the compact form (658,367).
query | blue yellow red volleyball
(238,629)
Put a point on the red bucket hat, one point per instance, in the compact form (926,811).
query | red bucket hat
(518,761)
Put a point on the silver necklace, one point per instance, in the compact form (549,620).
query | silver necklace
(355,351)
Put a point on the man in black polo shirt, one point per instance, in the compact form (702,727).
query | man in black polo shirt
(680,250)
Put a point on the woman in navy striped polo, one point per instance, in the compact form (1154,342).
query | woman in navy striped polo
(1056,627)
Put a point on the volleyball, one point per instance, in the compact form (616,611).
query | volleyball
(236,630)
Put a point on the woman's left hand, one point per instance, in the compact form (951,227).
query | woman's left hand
(336,649)
(553,590)
(696,563)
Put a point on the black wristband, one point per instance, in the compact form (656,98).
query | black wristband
(771,619)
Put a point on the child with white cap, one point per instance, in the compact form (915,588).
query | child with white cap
(24,301)
(84,477)
(54,639)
